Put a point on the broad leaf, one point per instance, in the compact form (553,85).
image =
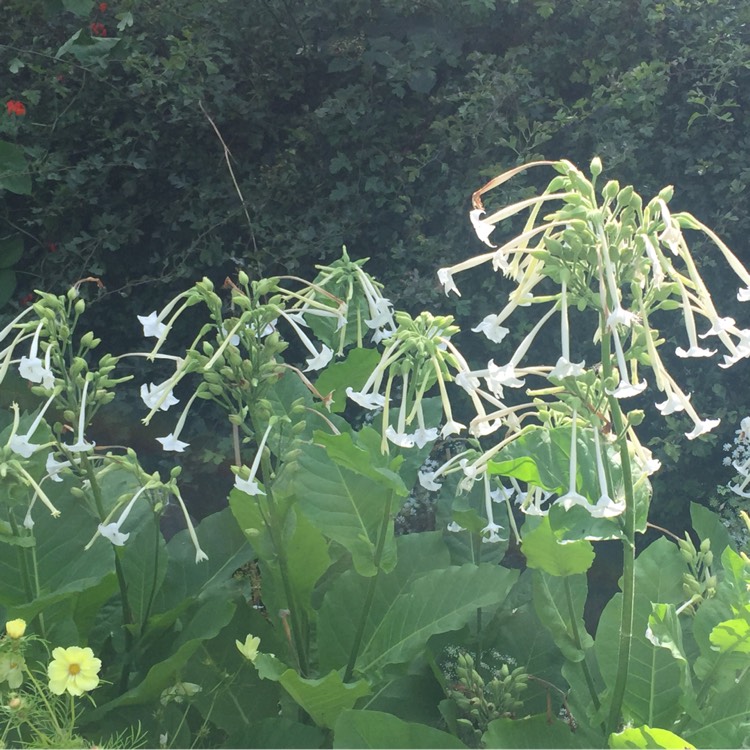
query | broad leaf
(532,732)
(646,737)
(437,602)
(347,507)
(543,551)
(344,602)
(652,693)
(373,729)
(14,171)
(554,597)
(350,372)
(323,699)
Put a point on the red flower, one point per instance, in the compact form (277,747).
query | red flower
(52,247)
(98,29)
(26,300)
(15,107)
(102,7)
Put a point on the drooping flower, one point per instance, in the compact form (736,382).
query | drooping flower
(446,279)
(490,531)
(81,446)
(32,367)
(572,497)
(695,350)
(483,228)
(625,388)
(151,395)
(21,444)
(73,670)
(251,485)
(172,442)
(492,329)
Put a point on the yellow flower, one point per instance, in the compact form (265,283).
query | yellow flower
(249,649)
(15,628)
(11,669)
(73,669)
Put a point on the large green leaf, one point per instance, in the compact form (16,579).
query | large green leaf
(708,525)
(344,602)
(323,699)
(532,732)
(280,733)
(11,250)
(554,597)
(346,506)
(647,737)
(544,552)
(652,693)
(373,729)
(436,602)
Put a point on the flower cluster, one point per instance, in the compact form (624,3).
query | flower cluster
(98,29)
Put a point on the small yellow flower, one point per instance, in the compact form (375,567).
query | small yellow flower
(249,649)
(73,669)
(15,628)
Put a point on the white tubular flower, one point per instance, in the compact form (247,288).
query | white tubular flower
(743,295)
(21,444)
(700,426)
(200,555)
(399,436)
(423,435)
(572,497)
(32,368)
(251,485)
(81,446)
(427,480)
(112,533)
(445,276)
(54,467)
(451,427)
(319,359)
(718,326)
(454,528)
(491,529)
(492,329)
(151,395)
(564,368)
(172,442)
(656,267)
(483,228)
(605,507)
(624,389)
(152,325)
(671,236)
(695,350)
(369,401)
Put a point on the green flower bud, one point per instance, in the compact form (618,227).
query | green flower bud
(243,278)
(596,166)
(705,545)
(79,307)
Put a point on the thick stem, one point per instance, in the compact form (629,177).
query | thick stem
(628,552)
(372,586)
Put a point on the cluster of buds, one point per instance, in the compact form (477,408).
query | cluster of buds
(481,701)
(699,583)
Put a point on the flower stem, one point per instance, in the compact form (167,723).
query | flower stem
(372,586)
(628,548)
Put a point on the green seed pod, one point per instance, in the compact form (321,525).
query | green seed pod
(215,389)
(705,546)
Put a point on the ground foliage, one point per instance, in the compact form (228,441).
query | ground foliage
(351,122)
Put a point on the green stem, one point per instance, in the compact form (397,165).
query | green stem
(372,586)
(127,612)
(579,645)
(628,572)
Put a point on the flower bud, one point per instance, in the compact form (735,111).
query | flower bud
(79,307)
(15,628)
(596,166)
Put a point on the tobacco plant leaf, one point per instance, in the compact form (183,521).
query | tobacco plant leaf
(343,603)
(531,732)
(437,602)
(374,729)
(647,737)
(551,604)
(652,692)
(544,552)
(323,699)
(345,505)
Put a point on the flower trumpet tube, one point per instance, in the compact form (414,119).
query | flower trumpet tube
(572,496)
(250,485)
